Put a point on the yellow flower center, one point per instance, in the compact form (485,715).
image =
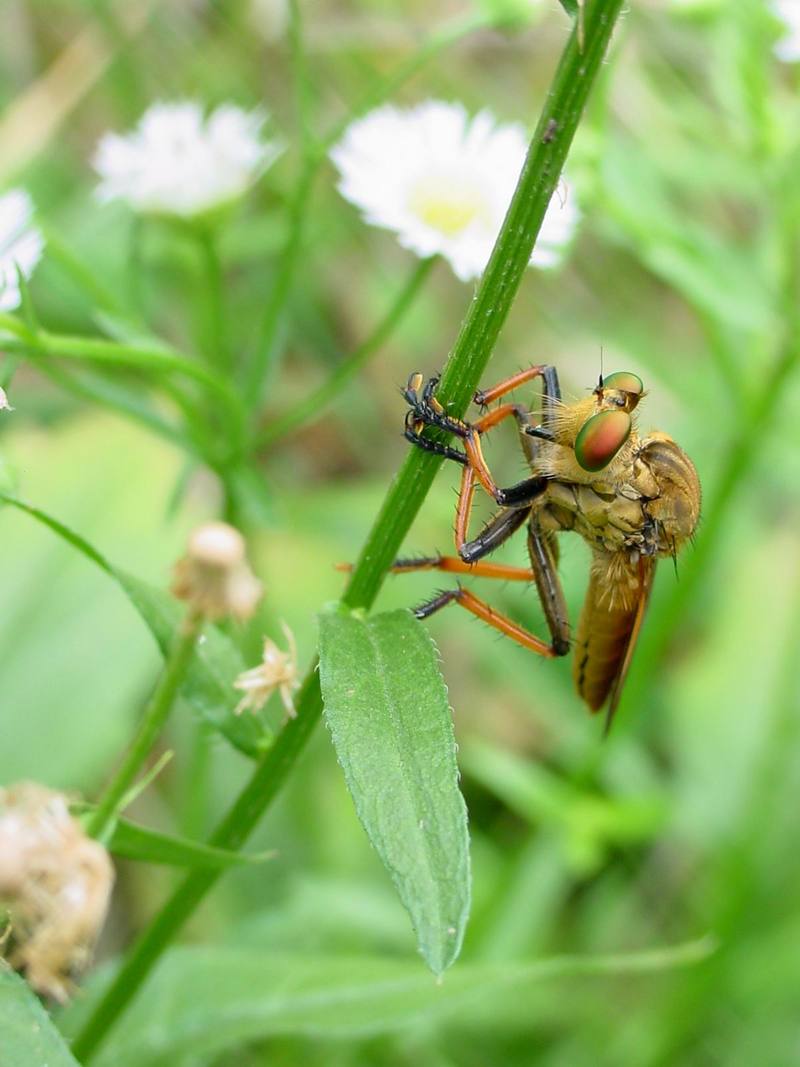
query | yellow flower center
(446,207)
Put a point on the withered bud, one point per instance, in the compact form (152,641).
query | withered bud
(277,670)
(55,884)
(214,576)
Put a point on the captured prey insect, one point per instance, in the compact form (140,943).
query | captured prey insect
(633,498)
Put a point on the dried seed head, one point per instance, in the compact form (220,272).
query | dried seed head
(55,884)
(277,670)
(214,576)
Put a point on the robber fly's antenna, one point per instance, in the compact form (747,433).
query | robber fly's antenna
(600,383)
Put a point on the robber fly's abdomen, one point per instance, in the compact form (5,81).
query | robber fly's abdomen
(616,595)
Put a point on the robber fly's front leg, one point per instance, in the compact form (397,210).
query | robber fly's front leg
(427,411)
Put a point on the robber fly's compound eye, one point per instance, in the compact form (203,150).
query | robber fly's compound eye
(625,381)
(600,438)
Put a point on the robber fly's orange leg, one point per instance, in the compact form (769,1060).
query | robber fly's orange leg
(543,370)
(464,509)
(454,565)
(495,619)
(425,410)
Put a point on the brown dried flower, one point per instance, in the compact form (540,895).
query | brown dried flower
(277,670)
(55,884)
(214,576)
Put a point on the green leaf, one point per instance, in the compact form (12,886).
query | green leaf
(134,842)
(571,7)
(511,14)
(207,1000)
(208,686)
(386,707)
(28,1037)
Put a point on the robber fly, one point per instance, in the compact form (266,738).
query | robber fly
(633,498)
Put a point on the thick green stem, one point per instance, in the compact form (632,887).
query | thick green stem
(577,71)
(311,406)
(152,723)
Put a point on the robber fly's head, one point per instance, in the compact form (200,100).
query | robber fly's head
(606,431)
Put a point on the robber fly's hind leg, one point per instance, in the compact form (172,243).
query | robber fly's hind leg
(465,599)
(543,552)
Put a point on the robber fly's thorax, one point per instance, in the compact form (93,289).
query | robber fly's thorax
(645,501)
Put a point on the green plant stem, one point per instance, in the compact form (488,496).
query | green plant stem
(487,313)
(214,331)
(152,723)
(302,84)
(312,405)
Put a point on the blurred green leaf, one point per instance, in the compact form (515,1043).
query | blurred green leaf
(27,1035)
(683,252)
(590,822)
(205,1000)
(386,707)
(217,661)
(511,13)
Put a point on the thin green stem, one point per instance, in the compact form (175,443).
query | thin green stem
(281,287)
(214,331)
(104,394)
(81,275)
(153,720)
(311,406)
(487,313)
(302,84)
(144,357)
(313,159)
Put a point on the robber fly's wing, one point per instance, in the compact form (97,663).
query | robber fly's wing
(609,625)
(647,570)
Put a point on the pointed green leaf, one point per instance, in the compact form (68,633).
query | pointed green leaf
(387,710)
(134,842)
(27,1035)
(209,681)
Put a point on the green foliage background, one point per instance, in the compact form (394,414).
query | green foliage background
(683,823)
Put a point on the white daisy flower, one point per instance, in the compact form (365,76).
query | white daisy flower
(787,48)
(20,245)
(177,162)
(443,182)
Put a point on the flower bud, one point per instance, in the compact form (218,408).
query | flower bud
(214,576)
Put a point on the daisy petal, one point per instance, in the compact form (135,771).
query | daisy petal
(442,182)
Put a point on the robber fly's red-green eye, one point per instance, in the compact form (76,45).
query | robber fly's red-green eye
(600,438)
(625,380)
